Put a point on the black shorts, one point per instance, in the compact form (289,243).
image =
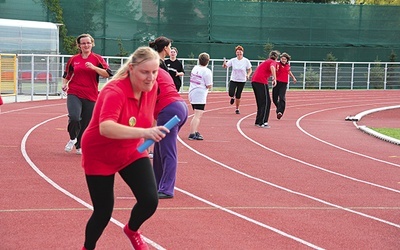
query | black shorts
(198,106)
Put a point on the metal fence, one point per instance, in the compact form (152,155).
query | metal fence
(42,74)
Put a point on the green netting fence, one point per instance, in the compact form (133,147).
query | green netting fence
(306,31)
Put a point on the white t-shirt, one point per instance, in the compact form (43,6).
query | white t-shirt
(200,78)
(239,69)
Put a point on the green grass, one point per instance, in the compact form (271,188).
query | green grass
(392,132)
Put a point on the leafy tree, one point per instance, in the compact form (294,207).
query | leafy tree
(379,2)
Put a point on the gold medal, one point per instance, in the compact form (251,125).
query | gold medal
(132,121)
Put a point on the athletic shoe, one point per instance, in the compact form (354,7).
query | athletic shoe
(232,101)
(199,137)
(78,151)
(265,125)
(70,145)
(164,196)
(237,111)
(136,239)
(279,115)
(192,136)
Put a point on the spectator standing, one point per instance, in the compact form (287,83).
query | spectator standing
(81,82)
(241,71)
(175,68)
(259,83)
(201,81)
(282,78)
(169,103)
(122,117)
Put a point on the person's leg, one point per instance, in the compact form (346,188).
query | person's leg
(239,90)
(87,111)
(194,124)
(139,176)
(165,161)
(282,98)
(268,104)
(74,106)
(231,91)
(259,94)
(101,190)
(275,96)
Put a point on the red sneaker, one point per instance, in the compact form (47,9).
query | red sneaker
(135,239)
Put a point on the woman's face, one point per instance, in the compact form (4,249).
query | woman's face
(167,49)
(239,53)
(85,44)
(143,75)
(173,53)
(283,60)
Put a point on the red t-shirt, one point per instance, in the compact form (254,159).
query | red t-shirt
(85,82)
(116,102)
(282,72)
(263,71)
(167,92)
(1,100)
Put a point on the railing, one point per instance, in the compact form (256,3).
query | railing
(42,74)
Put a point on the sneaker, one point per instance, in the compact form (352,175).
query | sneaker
(265,125)
(279,115)
(237,111)
(192,136)
(199,136)
(232,101)
(70,145)
(78,151)
(136,239)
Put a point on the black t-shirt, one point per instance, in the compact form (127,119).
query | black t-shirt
(173,67)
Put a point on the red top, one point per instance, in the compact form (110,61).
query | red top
(263,71)
(116,102)
(167,92)
(282,72)
(1,100)
(85,82)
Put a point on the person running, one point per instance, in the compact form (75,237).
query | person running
(175,68)
(81,83)
(122,117)
(241,71)
(169,103)
(282,78)
(259,83)
(201,81)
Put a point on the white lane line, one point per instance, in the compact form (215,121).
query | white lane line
(59,188)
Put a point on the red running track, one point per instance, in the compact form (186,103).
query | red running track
(312,180)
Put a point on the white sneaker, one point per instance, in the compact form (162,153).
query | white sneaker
(70,145)
(78,151)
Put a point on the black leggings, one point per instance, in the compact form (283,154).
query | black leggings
(79,114)
(236,89)
(140,178)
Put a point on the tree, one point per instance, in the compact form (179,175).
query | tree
(379,2)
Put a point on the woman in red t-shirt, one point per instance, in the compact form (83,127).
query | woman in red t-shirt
(259,83)
(81,82)
(122,117)
(282,78)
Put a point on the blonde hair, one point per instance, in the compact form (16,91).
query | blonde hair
(141,54)
(274,54)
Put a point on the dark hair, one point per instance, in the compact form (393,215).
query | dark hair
(204,58)
(239,47)
(274,54)
(284,54)
(160,43)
